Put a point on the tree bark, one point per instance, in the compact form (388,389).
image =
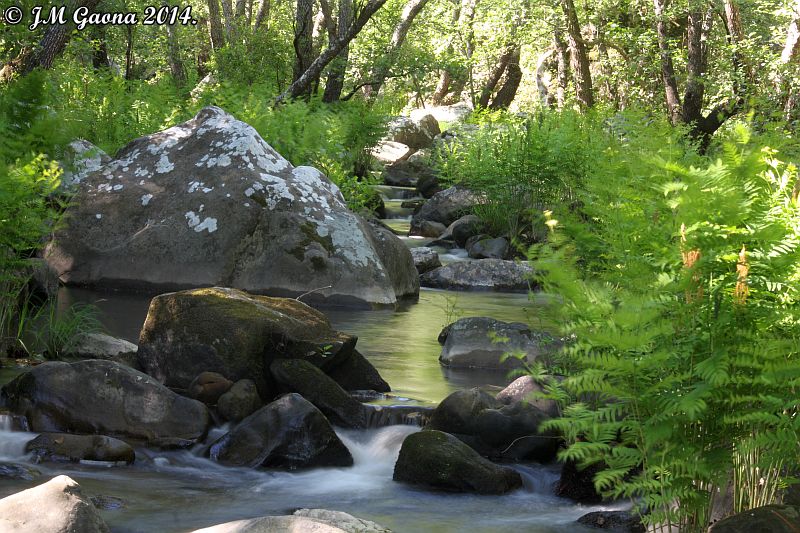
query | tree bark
(262,15)
(215,30)
(579,57)
(789,55)
(129,53)
(100,49)
(301,85)
(494,76)
(227,12)
(303,41)
(545,97)
(562,71)
(379,73)
(508,91)
(176,66)
(667,66)
(335,82)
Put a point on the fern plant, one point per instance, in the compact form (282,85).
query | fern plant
(680,286)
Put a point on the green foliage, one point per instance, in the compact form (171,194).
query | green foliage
(679,284)
(57,332)
(522,165)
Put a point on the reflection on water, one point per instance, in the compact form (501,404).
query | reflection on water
(401,344)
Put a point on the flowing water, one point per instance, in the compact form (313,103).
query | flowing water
(167,492)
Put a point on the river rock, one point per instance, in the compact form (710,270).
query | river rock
(578,484)
(102,346)
(441,461)
(416,133)
(208,202)
(464,228)
(396,258)
(43,282)
(57,506)
(356,373)
(767,519)
(497,431)
(301,376)
(208,387)
(425,259)
(523,389)
(81,158)
(12,422)
(288,433)
(481,342)
(428,185)
(343,521)
(389,152)
(96,396)
(107,503)
(406,173)
(617,521)
(18,472)
(445,207)
(235,334)
(489,249)
(240,401)
(60,447)
(431,229)
(484,274)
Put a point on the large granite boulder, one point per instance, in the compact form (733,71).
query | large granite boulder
(446,207)
(302,377)
(482,342)
(407,173)
(440,461)
(496,431)
(305,520)
(343,521)
(102,346)
(235,334)
(81,158)
(104,397)
(389,152)
(484,274)
(457,112)
(417,132)
(288,433)
(57,506)
(208,202)
(75,448)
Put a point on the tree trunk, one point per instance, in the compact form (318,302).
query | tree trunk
(100,49)
(263,14)
(697,62)
(579,57)
(302,84)
(562,71)
(174,57)
(335,82)
(790,55)
(303,41)
(494,76)
(241,5)
(227,12)
(129,53)
(667,66)
(545,97)
(379,74)
(508,91)
(215,30)
(446,77)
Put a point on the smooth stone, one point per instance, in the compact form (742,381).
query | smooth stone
(485,274)
(445,207)
(59,447)
(207,387)
(425,259)
(523,389)
(240,401)
(489,249)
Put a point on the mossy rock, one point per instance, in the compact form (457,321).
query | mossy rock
(235,334)
(767,519)
(439,460)
(322,391)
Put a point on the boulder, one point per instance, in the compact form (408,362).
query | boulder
(523,389)
(406,173)
(343,521)
(301,376)
(356,373)
(425,259)
(497,431)
(485,274)
(18,472)
(415,133)
(578,484)
(482,342)
(430,229)
(57,506)
(288,433)
(489,249)
(240,401)
(767,519)
(457,112)
(379,416)
(102,346)
(464,228)
(395,257)
(235,334)
(208,202)
(617,521)
(428,185)
(81,158)
(208,387)
(12,422)
(96,396)
(63,447)
(440,461)
(445,207)
(389,152)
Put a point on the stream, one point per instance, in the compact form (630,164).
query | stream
(178,491)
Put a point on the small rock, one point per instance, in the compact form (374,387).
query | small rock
(464,228)
(523,389)
(406,173)
(618,521)
(430,229)
(60,447)
(102,346)
(207,387)
(440,461)
(446,207)
(428,185)
(425,259)
(240,401)
(20,472)
(357,373)
(107,503)
(578,485)
(389,152)
(489,249)
(484,274)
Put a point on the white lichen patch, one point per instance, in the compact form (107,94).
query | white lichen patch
(141,172)
(209,224)
(164,165)
(192,218)
(146,199)
(117,187)
(104,187)
(98,216)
